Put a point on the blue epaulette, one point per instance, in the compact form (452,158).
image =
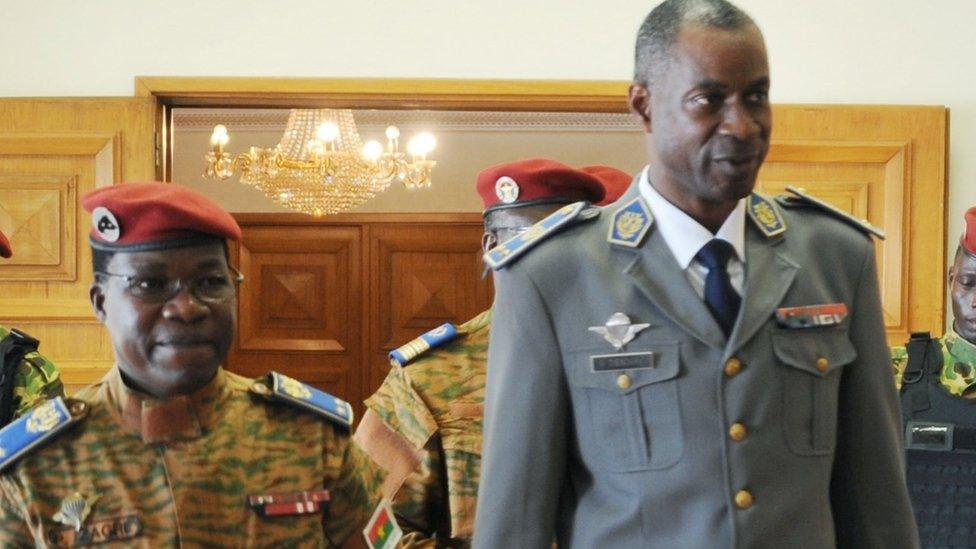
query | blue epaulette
(281,388)
(39,425)
(800,198)
(445,333)
(508,251)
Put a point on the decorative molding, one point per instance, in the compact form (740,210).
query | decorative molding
(265,120)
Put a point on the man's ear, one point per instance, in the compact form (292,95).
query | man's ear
(639,99)
(97,296)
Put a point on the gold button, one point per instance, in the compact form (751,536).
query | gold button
(623,381)
(822,364)
(737,432)
(743,499)
(732,367)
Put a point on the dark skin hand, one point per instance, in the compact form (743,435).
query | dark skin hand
(170,348)
(962,290)
(708,121)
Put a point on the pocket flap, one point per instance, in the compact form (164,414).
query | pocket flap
(815,351)
(626,371)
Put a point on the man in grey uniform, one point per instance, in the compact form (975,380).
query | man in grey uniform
(696,365)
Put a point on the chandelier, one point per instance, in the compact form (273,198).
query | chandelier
(321,165)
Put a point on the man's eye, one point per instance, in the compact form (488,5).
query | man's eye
(758,97)
(149,284)
(967,281)
(706,100)
(213,282)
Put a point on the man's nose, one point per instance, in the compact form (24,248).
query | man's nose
(185,307)
(739,121)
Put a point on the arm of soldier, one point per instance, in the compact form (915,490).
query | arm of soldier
(15,531)
(526,418)
(354,484)
(37,380)
(868,492)
(413,483)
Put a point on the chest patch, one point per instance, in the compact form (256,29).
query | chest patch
(96,531)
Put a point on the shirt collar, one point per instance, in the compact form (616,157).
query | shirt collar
(685,236)
(161,420)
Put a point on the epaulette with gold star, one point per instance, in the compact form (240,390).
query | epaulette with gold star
(38,426)
(280,388)
(505,253)
(800,198)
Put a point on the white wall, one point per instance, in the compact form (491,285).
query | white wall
(827,51)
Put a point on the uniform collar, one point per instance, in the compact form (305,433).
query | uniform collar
(162,420)
(961,349)
(685,236)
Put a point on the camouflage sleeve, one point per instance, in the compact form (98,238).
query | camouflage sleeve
(37,380)
(899,361)
(354,483)
(15,531)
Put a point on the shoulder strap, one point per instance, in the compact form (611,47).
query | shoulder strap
(802,199)
(13,348)
(924,360)
(441,335)
(281,388)
(513,248)
(38,426)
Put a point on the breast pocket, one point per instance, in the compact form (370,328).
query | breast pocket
(813,363)
(626,407)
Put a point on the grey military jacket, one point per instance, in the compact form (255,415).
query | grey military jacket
(775,438)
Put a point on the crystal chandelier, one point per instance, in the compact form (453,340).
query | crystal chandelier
(321,166)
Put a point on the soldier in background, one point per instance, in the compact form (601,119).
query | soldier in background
(26,377)
(424,424)
(937,378)
(169,449)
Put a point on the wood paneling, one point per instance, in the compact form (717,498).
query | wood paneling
(885,165)
(52,151)
(325,300)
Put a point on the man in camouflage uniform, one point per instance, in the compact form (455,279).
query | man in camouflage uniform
(424,424)
(937,379)
(35,378)
(169,449)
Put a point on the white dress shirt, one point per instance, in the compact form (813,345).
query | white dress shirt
(685,237)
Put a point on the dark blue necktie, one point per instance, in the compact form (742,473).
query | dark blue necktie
(720,296)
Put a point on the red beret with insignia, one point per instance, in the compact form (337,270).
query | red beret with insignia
(615,181)
(535,181)
(968,239)
(5,250)
(133,217)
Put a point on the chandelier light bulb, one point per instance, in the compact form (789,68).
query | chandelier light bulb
(327,132)
(372,150)
(219,135)
(421,144)
(392,132)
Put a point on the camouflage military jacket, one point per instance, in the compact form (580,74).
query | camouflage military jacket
(958,364)
(435,406)
(37,380)
(177,472)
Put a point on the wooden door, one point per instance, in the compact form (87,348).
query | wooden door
(52,151)
(885,164)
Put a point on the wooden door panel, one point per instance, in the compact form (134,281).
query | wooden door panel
(885,165)
(300,306)
(52,151)
(424,276)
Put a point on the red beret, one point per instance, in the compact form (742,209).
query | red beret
(133,217)
(5,250)
(535,181)
(968,240)
(615,181)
